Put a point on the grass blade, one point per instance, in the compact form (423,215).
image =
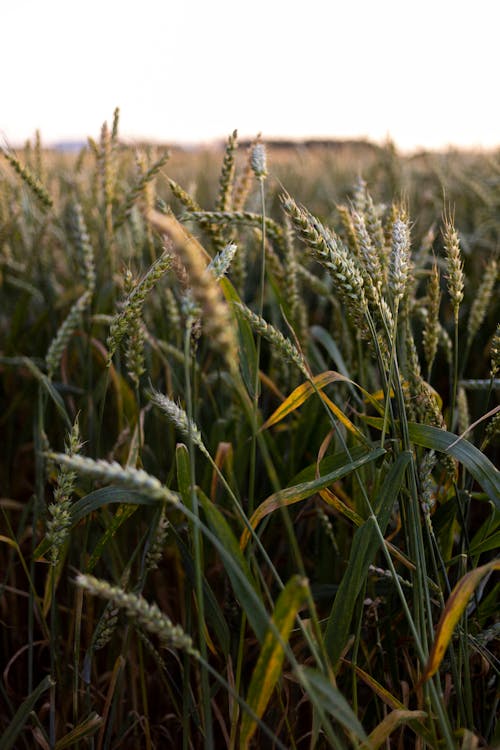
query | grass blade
(299,492)
(479,466)
(365,545)
(333,702)
(270,661)
(221,529)
(307,389)
(15,727)
(392,721)
(453,611)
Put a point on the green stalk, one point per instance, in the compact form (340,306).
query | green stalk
(256,384)
(197,545)
(454,382)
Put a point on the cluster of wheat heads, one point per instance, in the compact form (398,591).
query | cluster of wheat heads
(250,491)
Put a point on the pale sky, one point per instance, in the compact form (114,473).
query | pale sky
(424,73)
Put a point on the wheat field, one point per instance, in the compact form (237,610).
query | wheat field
(249,419)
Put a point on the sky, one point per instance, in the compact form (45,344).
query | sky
(425,74)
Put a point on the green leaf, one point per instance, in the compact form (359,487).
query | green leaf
(247,350)
(298,492)
(95,500)
(44,382)
(183,474)
(453,611)
(476,463)
(365,545)
(332,701)
(270,661)
(17,724)
(331,347)
(107,496)
(236,567)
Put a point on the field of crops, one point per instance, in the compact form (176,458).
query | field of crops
(249,423)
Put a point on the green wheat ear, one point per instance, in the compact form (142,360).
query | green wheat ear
(454,265)
(147,616)
(30,180)
(226,181)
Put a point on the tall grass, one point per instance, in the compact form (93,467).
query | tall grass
(250,432)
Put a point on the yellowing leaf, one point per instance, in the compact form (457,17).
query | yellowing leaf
(298,492)
(391,722)
(454,609)
(335,502)
(377,688)
(270,661)
(304,391)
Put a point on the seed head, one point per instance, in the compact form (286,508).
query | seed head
(258,161)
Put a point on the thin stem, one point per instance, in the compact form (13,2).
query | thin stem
(197,545)
(454,383)
(256,384)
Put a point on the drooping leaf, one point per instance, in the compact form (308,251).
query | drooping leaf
(304,391)
(270,661)
(390,700)
(476,463)
(299,492)
(453,611)
(44,381)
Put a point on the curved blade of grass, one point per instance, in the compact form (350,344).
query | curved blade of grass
(387,726)
(222,531)
(328,464)
(95,500)
(333,702)
(298,492)
(476,463)
(453,611)
(486,545)
(331,499)
(86,728)
(382,692)
(365,545)
(17,724)
(270,661)
(391,701)
(479,466)
(300,394)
